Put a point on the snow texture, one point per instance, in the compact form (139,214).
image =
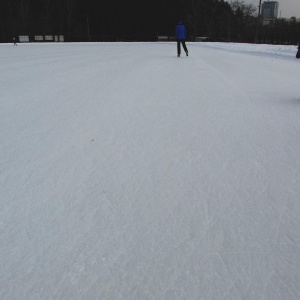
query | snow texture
(129,173)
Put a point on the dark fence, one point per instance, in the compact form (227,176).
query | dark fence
(79,38)
(266,36)
(280,38)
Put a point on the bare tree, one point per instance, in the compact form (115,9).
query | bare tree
(246,9)
(69,6)
(243,21)
(193,13)
(22,9)
(207,16)
(46,15)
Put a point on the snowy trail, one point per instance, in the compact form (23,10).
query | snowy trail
(128,173)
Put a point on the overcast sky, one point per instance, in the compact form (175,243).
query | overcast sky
(288,8)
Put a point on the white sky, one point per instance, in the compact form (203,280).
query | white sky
(288,8)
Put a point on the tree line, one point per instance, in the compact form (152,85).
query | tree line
(96,19)
(102,20)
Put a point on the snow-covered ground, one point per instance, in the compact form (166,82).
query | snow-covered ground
(129,173)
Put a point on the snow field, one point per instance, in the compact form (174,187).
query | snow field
(129,173)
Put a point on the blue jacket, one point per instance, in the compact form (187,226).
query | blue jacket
(180,31)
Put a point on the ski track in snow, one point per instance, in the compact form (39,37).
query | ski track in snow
(127,173)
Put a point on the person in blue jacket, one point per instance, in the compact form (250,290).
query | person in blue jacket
(180,38)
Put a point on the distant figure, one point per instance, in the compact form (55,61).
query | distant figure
(298,52)
(180,38)
(15,42)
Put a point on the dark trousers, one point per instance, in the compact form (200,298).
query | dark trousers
(183,45)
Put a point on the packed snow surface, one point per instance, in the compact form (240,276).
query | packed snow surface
(129,173)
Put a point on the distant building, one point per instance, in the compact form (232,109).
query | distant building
(292,20)
(268,21)
(270,10)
